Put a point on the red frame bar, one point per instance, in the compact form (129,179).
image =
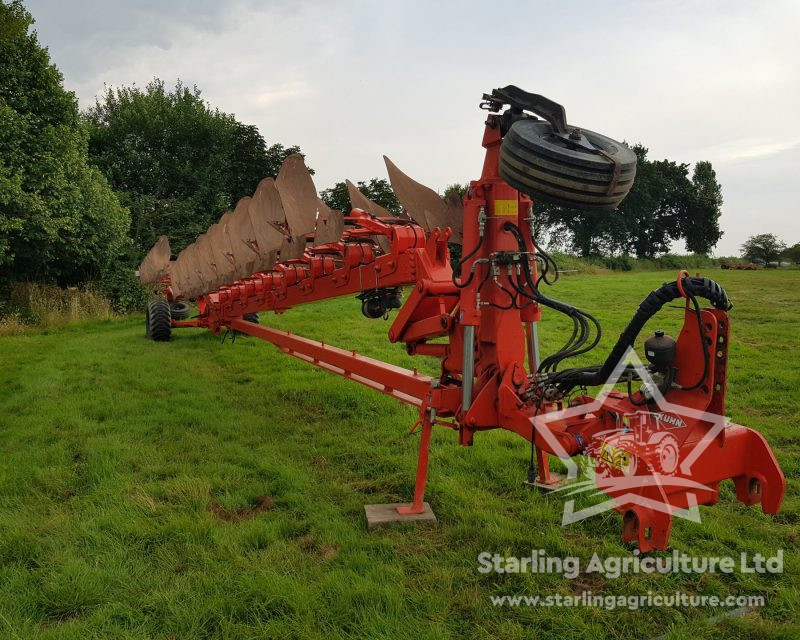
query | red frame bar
(404,384)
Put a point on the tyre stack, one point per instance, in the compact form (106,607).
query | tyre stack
(576,170)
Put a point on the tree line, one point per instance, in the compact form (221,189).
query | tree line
(83,195)
(665,204)
(769,248)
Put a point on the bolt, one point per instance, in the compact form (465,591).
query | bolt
(575,134)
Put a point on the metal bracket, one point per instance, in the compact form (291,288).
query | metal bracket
(521,100)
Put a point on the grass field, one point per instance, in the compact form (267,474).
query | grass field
(197,490)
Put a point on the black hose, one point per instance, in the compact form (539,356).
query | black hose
(703,345)
(581,331)
(457,271)
(652,304)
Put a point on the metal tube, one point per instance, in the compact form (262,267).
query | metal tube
(468,368)
(532,334)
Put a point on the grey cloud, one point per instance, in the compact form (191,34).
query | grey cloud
(351,80)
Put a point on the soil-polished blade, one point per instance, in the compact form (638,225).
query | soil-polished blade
(243,238)
(175,278)
(223,255)
(206,263)
(178,276)
(267,217)
(193,260)
(359,201)
(330,225)
(454,216)
(424,205)
(266,261)
(298,195)
(183,279)
(155,265)
(293,248)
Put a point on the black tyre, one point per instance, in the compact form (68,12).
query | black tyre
(159,320)
(180,310)
(250,317)
(536,161)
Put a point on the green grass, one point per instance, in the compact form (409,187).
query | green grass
(198,490)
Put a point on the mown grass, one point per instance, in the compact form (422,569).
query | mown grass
(197,490)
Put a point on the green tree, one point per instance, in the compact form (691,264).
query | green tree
(792,254)
(175,161)
(764,246)
(167,154)
(377,189)
(701,223)
(460,189)
(59,219)
(251,160)
(663,205)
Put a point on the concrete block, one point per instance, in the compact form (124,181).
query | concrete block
(560,481)
(381,515)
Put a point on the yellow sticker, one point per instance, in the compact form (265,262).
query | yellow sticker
(505,207)
(615,457)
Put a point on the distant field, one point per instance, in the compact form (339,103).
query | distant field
(197,490)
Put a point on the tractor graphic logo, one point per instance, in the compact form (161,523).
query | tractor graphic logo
(643,435)
(644,449)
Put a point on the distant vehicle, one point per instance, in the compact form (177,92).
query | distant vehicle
(756,264)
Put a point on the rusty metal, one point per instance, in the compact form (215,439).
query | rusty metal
(424,205)
(292,248)
(243,239)
(268,221)
(330,225)
(206,263)
(298,195)
(359,201)
(155,266)
(221,248)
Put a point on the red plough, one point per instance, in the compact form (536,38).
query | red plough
(660,449)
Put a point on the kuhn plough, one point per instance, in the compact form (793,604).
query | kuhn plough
(660,448)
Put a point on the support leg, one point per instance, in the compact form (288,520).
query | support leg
(379,515)
(543,464)
(546,481)
(418,505)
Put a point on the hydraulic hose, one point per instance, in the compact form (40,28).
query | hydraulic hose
(652,304)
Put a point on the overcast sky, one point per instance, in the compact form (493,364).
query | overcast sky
(349,81)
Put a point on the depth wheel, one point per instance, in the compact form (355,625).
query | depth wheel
(251,317)
(159,320)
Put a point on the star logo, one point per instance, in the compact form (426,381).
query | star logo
(617,450)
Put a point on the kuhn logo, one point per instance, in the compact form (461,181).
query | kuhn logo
(668,418)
